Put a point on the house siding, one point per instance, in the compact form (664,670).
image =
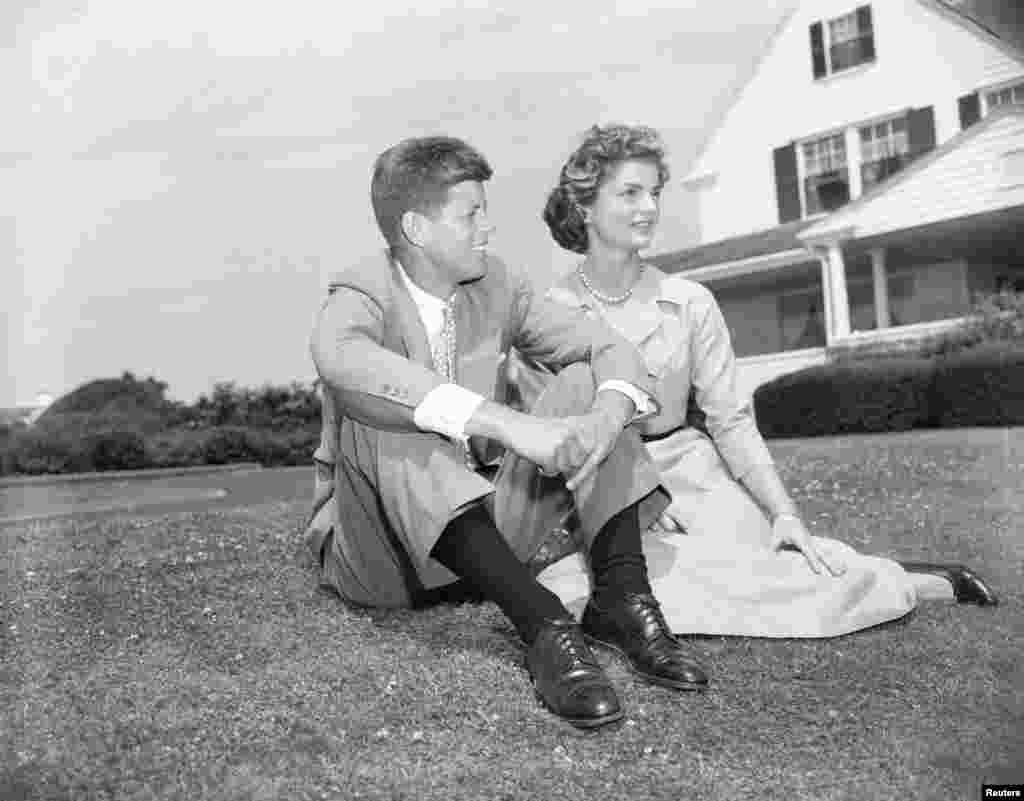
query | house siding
(783,102)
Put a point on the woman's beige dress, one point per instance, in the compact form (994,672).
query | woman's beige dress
(721,576)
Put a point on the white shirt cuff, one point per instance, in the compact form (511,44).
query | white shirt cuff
(446,410)
(641,400)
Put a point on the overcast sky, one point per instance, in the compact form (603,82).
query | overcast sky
(178,179)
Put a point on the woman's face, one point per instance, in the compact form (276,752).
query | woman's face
(625,212)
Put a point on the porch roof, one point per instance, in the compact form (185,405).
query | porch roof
(779,239)
(970,174)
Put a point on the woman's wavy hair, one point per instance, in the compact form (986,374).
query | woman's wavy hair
(602,150)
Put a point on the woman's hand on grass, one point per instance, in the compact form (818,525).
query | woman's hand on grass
(789,530)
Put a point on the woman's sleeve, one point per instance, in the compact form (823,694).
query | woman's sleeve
(730,415)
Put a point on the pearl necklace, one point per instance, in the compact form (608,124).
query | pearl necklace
(609,300)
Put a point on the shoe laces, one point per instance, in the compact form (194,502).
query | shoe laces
(654,620)
(572,644)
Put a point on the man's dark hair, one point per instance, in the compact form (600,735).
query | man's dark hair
(415,175)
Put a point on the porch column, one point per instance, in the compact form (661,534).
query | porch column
(838,298)
(826,292)
(880,282)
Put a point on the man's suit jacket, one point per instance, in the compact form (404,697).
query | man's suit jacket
(371,350)
(372,354)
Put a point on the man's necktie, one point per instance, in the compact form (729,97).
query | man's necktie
(443,349)
(443,353)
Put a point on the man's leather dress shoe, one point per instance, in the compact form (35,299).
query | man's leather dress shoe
(967,587)
(567,678)
(636,628)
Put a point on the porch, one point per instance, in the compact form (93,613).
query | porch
(904,261)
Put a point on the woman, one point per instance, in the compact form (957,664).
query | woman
(731,555)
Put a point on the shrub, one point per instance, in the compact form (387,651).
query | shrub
(983,386)
(301,444)
(891,394)
(38,452)
(126,397)
(230,444)
(9,433)
(280,408)
(177,448)
(117,450)
(998,317)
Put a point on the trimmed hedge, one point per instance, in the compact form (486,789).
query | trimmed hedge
(34,451)
(983,386)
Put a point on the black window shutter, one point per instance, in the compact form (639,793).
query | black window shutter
(787,183)
(867,33)
(818,51)
(970,109)
(921,130)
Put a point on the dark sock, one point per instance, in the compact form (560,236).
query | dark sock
(473,549)
(617,558)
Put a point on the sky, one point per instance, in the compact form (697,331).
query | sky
(178,180)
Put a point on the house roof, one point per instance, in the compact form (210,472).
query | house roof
(1002,20)
(737,88)
(998,21)
(761,243)
(914,196)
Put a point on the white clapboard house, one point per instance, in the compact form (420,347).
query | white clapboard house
(867,181)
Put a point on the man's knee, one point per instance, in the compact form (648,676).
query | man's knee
(385,588)
(570,392)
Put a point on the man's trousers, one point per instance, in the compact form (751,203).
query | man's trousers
(383,498)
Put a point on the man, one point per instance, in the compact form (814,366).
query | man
(410,351)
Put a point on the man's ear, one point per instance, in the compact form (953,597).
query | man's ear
(414,228)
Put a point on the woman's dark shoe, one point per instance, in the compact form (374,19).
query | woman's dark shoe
(967,587)
(636,628)
(567,678)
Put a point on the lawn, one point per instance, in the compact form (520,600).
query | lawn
(188,653)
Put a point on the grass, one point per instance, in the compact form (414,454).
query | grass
(190,655)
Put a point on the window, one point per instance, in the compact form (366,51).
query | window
(884,150)
(847,42)
(820,174)
(1005,96)
(826,177)
(842,42)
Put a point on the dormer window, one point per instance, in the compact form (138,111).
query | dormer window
(1004,96)
(826,176)
(842,42)
(884,150)
(819,175)
(975,105)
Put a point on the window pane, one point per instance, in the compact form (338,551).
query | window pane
(848,44)
(827,191)
(843,29)
(886,153)
(923,292)
(824,155)
(1000,97)
(780,311)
